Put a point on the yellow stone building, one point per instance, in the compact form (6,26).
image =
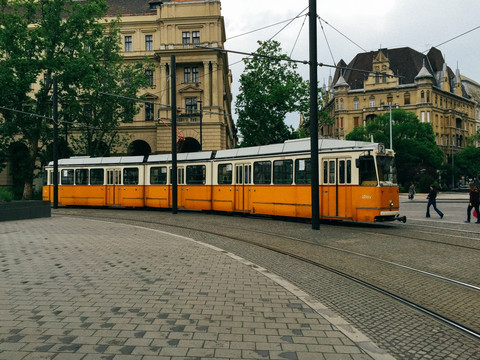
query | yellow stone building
(156,30)
(412,81)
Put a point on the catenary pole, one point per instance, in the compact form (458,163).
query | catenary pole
(173,87)
(55,142)
(314,114)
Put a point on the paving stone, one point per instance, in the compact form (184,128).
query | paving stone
(83,289)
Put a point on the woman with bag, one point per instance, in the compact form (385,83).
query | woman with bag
(474,202)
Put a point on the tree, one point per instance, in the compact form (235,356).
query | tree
(417,156)
(269,89)
(62,38)
(304,107)
(467,162)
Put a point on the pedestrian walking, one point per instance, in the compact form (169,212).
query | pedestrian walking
(473,203)
(432,200)
(411,191)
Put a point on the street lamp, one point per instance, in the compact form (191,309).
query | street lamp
(389,100)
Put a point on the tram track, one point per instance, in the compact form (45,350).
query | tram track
(413,287)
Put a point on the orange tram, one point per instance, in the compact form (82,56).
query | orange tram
(357,181)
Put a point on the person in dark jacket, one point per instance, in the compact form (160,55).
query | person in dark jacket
(474,202)
(432,200)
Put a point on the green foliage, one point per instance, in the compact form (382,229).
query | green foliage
(417,155)
(6,195)
(269,89)
(467,162)
(304,108)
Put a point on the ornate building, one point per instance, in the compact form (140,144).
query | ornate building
(157,30)
(410,80)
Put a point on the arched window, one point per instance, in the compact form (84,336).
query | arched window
(341,104)
(372,101)
(355,103)
(428,96)
(422,97)
(406,98)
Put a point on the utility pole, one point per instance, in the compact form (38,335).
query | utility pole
(314,114)
(55,142)
(173,86)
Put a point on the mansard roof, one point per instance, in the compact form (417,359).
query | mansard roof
(138,7)
(404,62)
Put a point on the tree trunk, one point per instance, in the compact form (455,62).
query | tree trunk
(27,190)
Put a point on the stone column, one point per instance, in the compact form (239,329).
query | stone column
(206,84)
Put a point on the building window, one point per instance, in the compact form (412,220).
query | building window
(191,105)
(355,121)
(185,37)
(195,74)
(190,74)
(149,111)
(423,116)
(149,76)
(422,97)
(428,96)
(355,103)
(406,98)
(372,101)
(196,37)
(186,75)
(148,42)
(341,104)
(128,43)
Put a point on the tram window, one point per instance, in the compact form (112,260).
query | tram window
(96,176)
(239,175)
(325,172)
(180,175)
(225,174)
(81,177)
(331,172)
(283,172)
(130,176)
(158,175)
(196,174)
(387,172)
(248,174)
(67,177)
(366,167)
(262,172)
(341,171)
(349,171)
(303,171)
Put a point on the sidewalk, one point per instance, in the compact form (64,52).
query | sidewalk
(83,289)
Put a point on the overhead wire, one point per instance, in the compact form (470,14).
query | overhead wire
(298,35)
(456,37)
(345,36)
(326,40)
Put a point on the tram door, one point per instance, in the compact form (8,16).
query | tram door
(336,190)
(114,179)
(243,179)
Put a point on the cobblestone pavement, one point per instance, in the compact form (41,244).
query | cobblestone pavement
(83,289)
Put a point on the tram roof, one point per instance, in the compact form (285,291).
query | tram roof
(194,156)
(114,160)
(296,146)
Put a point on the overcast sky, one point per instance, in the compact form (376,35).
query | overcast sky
(370,24)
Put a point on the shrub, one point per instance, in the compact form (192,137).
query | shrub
(6,195)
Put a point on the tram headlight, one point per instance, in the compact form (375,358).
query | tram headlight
(391,203)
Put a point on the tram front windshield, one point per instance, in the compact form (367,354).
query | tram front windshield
(384,167)
(387,172)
